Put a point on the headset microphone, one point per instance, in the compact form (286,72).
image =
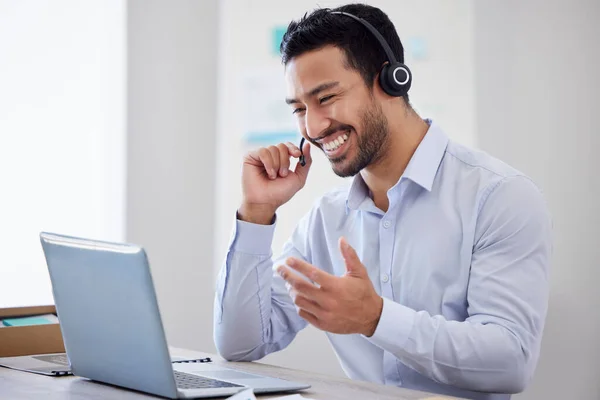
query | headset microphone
(302,161)
(394,78)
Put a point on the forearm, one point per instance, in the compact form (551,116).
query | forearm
(489,356)
(241,307)
(253,313)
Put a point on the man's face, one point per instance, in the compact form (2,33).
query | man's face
(336,111)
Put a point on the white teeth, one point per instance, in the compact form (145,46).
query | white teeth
(334,144)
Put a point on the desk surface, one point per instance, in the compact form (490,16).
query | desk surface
(23,385)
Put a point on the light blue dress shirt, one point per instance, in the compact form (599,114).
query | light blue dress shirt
(461,259)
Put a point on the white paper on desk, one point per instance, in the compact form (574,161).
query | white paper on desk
(247,394)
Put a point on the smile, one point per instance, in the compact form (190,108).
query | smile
(335,143)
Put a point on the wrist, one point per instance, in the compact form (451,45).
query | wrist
(262,214)
(371,325)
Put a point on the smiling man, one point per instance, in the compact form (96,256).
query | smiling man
(429,272)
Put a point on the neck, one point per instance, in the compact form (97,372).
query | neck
(406,130)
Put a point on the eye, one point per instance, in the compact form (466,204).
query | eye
(297,110)
(324,99)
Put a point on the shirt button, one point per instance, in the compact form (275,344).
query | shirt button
(385,278)
(387,224)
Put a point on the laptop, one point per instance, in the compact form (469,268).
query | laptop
(53,364)
(57,364)
(112,329)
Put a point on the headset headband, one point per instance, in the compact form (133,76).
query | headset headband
(375,32)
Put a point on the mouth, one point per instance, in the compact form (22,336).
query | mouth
(335,145)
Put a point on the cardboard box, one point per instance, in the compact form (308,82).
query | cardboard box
(33,339)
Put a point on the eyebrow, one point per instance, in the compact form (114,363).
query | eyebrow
(322,87)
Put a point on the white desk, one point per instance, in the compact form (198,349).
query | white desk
(23,385)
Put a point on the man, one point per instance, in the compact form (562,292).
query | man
(430,272)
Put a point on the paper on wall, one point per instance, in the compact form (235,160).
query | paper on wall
(265,117)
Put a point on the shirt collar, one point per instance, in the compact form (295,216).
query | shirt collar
(423,166)
(421,169)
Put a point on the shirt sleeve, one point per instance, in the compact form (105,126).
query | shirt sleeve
(497,347)
(254,314)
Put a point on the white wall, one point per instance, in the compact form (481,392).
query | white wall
(537,97)
(172,67)
(245,47)
(62,133)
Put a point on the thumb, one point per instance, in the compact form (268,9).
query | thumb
(353,264)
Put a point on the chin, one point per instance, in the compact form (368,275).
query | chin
(344,169)
(344,174)
(346,165)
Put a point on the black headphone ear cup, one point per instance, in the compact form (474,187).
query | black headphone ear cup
(384,81)
(404,76)
(395,79)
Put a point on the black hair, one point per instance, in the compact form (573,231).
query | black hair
(363,51)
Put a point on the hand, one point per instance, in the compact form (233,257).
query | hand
(267,182)
(347,304)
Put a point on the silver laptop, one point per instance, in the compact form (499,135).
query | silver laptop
(112,329)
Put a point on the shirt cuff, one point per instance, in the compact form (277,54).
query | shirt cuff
(252,238)
(394,327)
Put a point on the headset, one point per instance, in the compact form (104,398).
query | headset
(395,78)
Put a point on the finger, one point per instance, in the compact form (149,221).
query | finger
(293,149)
(265,157)
(310,318)
(290,290)
(298,283)
(313,273)
(323,300)
(293,294)
(307,305)
(353,264)
(276,158)
(284,159)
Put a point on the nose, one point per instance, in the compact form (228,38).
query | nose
(316,122)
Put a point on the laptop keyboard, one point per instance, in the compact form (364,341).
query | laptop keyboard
(190,381)
(182,379)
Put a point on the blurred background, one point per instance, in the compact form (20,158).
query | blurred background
(127,120)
